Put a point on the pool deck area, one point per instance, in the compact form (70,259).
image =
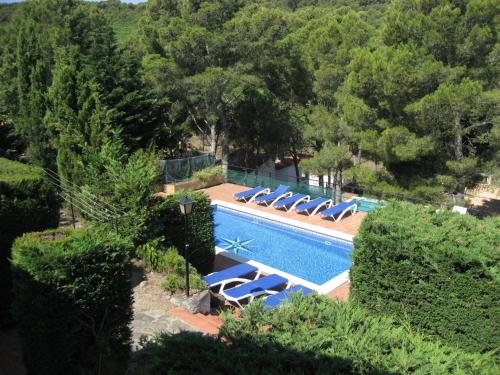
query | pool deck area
(349,224)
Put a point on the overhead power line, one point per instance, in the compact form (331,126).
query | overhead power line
(90,205)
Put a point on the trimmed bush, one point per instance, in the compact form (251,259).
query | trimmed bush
(28,202)
(312,335)
(73,301)
(438,270)
(208,173)
(167,220)
(169,262)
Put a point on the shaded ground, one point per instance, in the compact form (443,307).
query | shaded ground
(11,360)
(151,307)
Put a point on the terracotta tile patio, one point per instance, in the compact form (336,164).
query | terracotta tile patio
(349,224)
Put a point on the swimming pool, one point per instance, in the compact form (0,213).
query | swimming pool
(311,256)
(366,205)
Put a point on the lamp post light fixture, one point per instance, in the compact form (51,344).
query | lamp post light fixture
(186,205)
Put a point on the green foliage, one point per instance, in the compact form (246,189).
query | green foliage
(124,18)
(28,202)
(127,183)
(154,257)
(166,220)
(73,301)
(207,173)
(175,278)
(171,263)
(438,270)
(311,335)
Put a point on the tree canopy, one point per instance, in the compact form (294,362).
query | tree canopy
(397,95)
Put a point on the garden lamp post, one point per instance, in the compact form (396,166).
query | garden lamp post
(186,205)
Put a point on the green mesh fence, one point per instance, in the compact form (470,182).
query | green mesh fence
(182,169)
(252,180)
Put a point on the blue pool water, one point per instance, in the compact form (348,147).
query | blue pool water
(310,256)
(366,205)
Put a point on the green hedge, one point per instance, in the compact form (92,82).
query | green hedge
(166,220)
(312,335)
(438,270)
(73,301)
(28,202)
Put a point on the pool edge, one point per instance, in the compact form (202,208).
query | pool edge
(324,288)
(292,222)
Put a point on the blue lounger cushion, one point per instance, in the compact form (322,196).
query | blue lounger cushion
(256,286)
(337,209)
(249,193)
(237,271)
(282,189)
(290,200)
(311,204)
(284,295)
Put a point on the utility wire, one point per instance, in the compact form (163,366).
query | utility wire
(103,204)
(84,197)
(65,197)
(89,205)
(75,196)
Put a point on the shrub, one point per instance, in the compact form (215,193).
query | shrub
(28,202)
(153,256)
(166,220)
(207,173)
(73,301)
(312,335)
(171,263)
(438,270)
(127,183)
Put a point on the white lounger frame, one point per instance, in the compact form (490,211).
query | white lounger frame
(307,198)
(251,296)
(353,208)
(252,198)
(240,280)
(328,204)
(284,195)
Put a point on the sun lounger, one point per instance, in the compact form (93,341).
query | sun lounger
(280,297)
(254,288)
(292,201)
(340,209)
(312,207)
(230,275)
(269,199)
(250,195)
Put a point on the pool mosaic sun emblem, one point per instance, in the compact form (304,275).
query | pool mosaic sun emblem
(237,244)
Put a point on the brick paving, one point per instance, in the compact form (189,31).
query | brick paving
(349,224)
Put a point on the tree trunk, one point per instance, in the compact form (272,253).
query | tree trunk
(225,141)
(459,155)
(340,185)
(213,139)
(321,182)
(296,163)
(335,182)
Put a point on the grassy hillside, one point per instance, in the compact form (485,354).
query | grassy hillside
(6,11)
(123,17)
